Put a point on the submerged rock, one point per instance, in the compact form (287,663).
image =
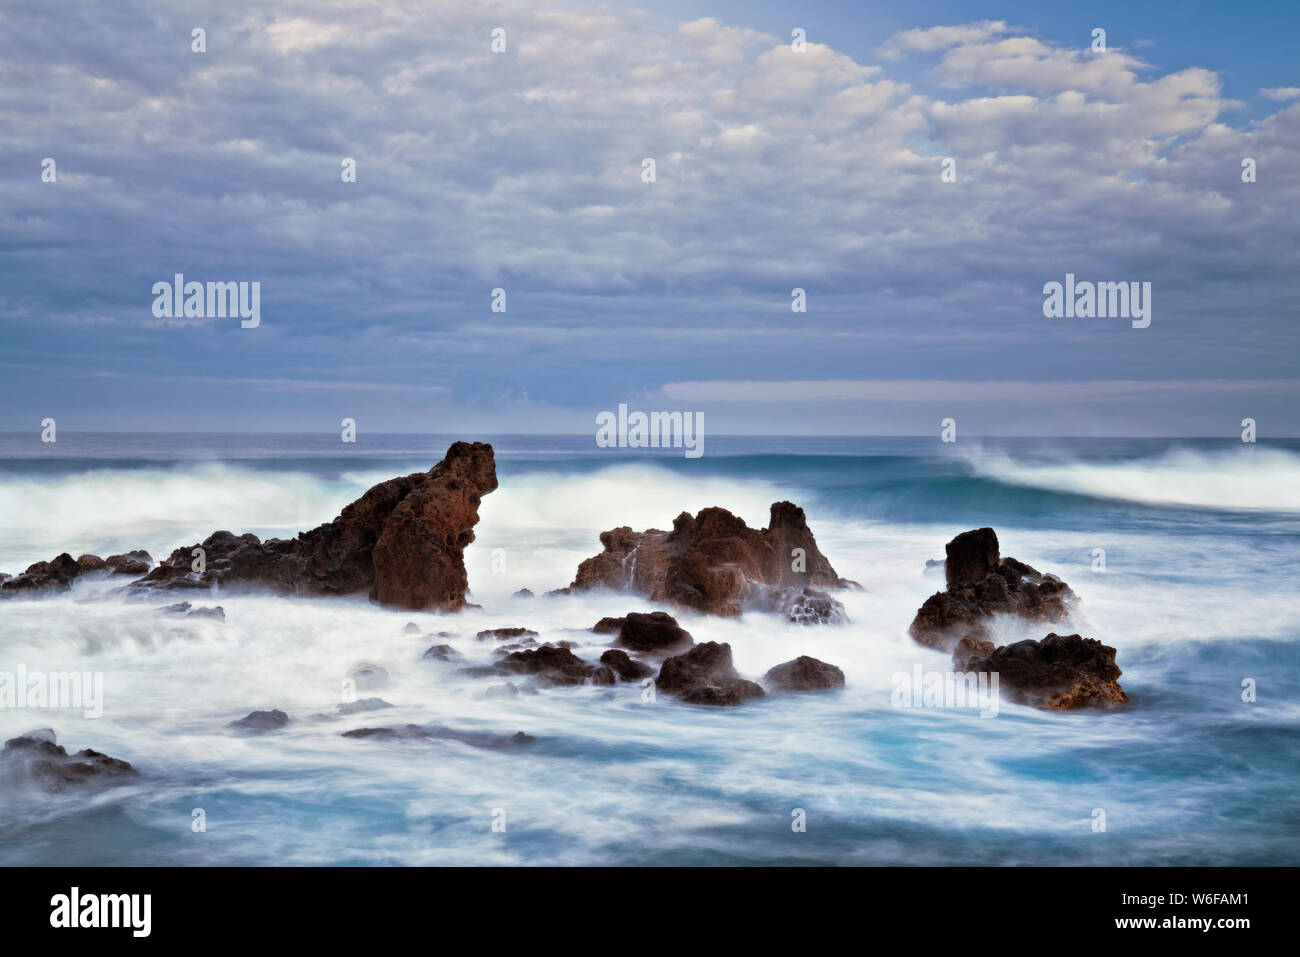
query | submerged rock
(626,668)
(362,705)
(43,578)
(705,675)
(1058,673)
(36,758)
(804,674)
(714,563)
(655,632)
(402,543)
(441,653)
(367,675)
(414,732)
(260,722)
(522,593)
(549,664)
(184,609)
(500,634)
(999,586)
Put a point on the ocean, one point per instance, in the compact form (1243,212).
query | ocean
(1200,541)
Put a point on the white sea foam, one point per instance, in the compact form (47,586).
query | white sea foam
(1246,478)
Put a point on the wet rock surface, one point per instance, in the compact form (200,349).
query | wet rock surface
(36,759)
(714,563)
(706,675)
(1000,586)
(1058,673)
(804,674)
(402,543)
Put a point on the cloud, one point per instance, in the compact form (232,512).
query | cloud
(522,170)
(1282,93)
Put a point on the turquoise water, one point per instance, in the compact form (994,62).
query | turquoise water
(1201,546)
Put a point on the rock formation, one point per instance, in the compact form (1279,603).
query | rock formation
(982,584)
(715,563)
(37,759)
(705,675)
(402,543)
(1058,673)
(804,674)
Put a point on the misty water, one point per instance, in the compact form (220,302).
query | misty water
(1201,542)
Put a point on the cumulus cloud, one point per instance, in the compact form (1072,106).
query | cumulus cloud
(522,170)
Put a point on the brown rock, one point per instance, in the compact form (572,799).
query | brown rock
(36,758)
(705,675)
(1059,673)
(402,543)
(626,668)
(804,674)
(653,632)
(1013,588)
(713,562)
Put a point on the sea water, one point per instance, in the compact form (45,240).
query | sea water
(1200,546)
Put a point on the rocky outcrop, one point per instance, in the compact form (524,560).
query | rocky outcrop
(548,664)
(502,634)
(982,584)
(413,732)
(626,668)
(43,578)
(136,562)
(705,675)
(714,563)
(260,722)
(654,633)
(183,609)
(402,543)
(37,759)
(1058,673)
(804,674)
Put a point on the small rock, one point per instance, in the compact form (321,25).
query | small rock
(260,722)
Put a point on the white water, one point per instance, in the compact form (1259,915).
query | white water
(1248,478)
(612,778)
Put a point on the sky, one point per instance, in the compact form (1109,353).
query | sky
(775,169)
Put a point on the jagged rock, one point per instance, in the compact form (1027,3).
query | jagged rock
(260,722)
(549,664)
(184,609)
(500,634)
(655,632)
(37,759)
(1058,673)
(713,562)
(362,705)
(804,674)
(1003,586)
(413,732)
(43,578)
(402,543)
(705,675)
(137,562)
(608,626)
(626,668)
(809,607)
(367,675)
(91,563)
